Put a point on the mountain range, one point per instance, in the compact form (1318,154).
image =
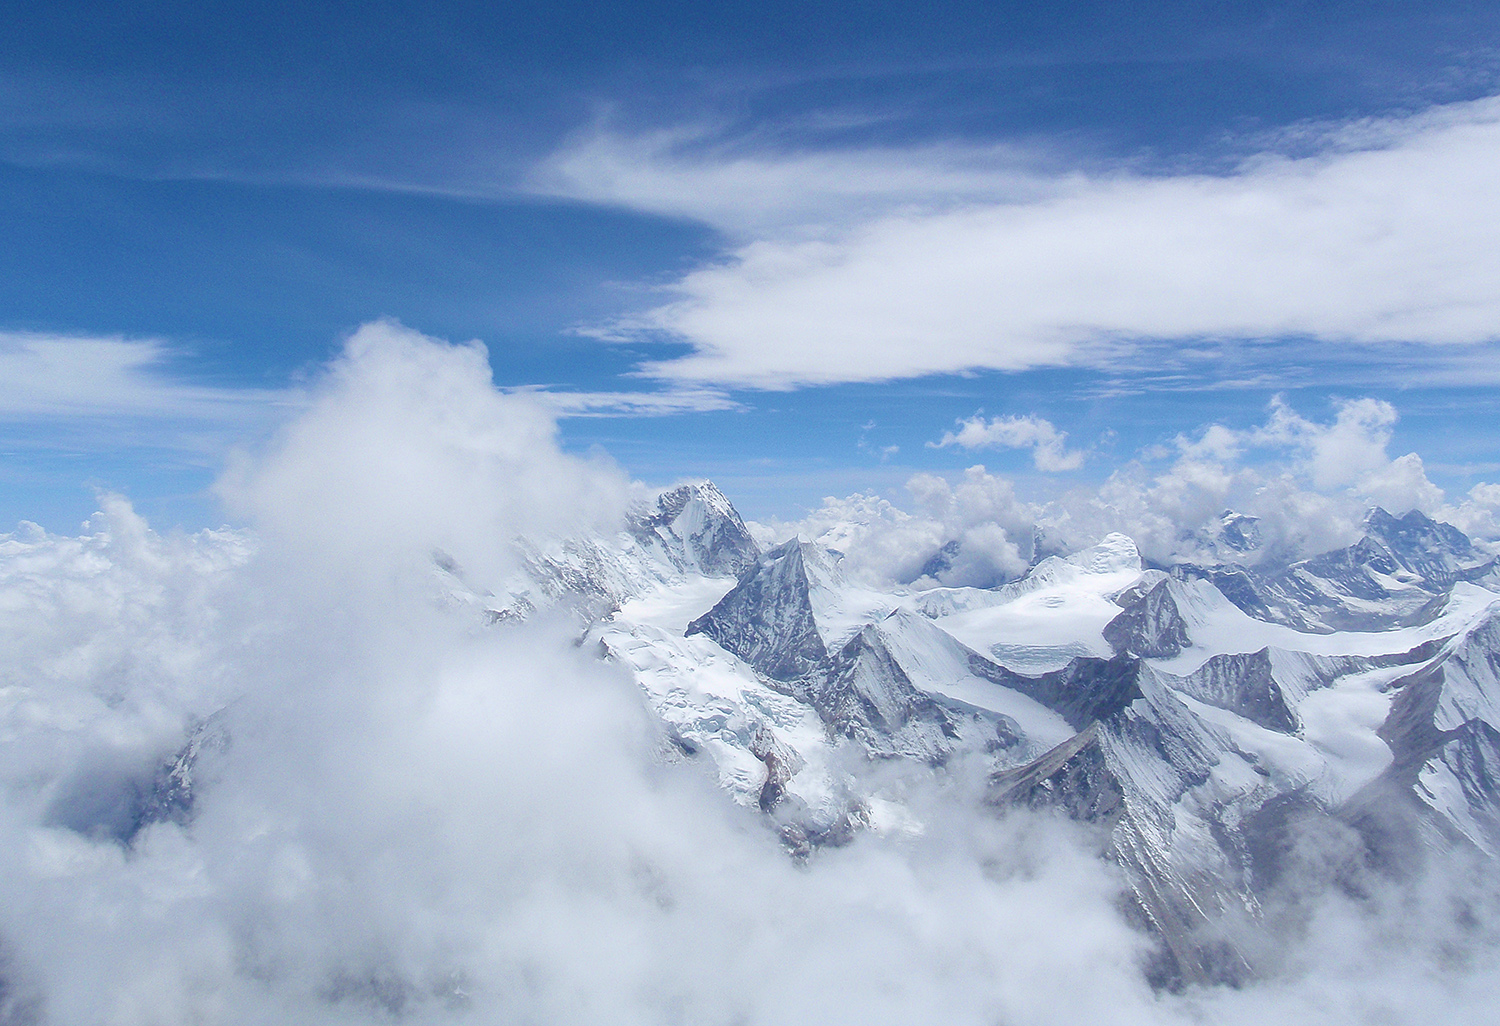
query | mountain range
(1206,722)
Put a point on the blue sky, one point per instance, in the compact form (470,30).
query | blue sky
(819,235)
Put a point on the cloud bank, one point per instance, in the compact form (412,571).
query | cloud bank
(876,265)
(412,817)
(1308,483)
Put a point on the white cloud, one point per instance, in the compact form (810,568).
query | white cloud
(44,375)
(748,191)
(905,264)
(1334,454)
(882,543)
(416,818)
(1309,483)
(1048,445)
(114,394)
(407,442)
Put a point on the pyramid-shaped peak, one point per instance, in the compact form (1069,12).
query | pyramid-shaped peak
(767,618)
(671,502)
(699,530)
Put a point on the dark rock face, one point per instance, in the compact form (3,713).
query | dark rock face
(1239,531)
(1234,583)
(1072,777)
(1085,690)
(1243,684)
(864,694)
(767,619)
(782,763)
(1150,625)
(1127,772)
(1438,553)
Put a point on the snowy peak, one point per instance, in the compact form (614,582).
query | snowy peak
(1396,575)
(867,696)
(1444,733)
(1244,684)
(1115,553)
(1239,531)
(1190,713)
(692,532)
(789,611)
(1469,667)
(698,530)
(1434,551)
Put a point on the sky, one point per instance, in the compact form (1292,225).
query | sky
(805,250)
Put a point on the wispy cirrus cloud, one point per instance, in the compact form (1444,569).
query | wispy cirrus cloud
(869,265)
(50,375)
(749,190)
(122,392)
(112,392)
(630,404)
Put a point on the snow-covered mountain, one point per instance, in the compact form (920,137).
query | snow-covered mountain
(1201,718)
(1398,573)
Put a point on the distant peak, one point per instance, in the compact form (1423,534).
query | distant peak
(699,529)
(1114,552)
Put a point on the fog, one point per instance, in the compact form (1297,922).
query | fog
(401,814)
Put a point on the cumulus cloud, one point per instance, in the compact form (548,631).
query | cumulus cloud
(414,817)
(407,444)
(1309,484)
(975,532)
(1048,445)
(1336,454)
(894,264)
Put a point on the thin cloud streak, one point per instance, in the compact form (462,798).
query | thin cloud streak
(565,404)
(47,375)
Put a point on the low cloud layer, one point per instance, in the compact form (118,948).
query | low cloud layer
(1309,483)
(889,264)
(414,817)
